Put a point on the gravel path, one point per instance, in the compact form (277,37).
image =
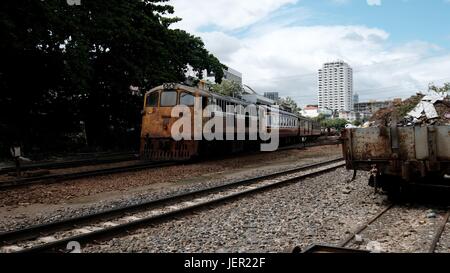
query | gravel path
(45,203)
(323,209)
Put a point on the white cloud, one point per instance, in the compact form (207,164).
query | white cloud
(223,14)
(287,60)
(276,54)
(374,2)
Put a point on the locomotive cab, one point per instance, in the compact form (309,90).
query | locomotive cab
(157,121)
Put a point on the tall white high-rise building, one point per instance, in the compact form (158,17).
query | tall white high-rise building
(336,86)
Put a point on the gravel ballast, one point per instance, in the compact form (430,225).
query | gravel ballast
(323,209)
(45,203)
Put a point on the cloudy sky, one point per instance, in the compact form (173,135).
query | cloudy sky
(396,47)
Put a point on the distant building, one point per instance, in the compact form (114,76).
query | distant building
(272,95)
(257,99)
(228,74)
(350,115)
(372,106)
(232,75)
(336,86)
(367,109)
(355,98)
(312,111)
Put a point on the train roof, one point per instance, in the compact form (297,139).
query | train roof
(207,93)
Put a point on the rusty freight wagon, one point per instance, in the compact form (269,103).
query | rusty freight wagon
(399,156)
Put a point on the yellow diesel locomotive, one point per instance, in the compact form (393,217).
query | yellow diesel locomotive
(158,143)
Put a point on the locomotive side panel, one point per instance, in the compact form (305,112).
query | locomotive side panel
(157,122)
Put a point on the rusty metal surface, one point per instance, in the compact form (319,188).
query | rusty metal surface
(168,149)
(406,143)
(421,143)
(414,143)
(418,151)
(443,143)
(370,144)
(320,249)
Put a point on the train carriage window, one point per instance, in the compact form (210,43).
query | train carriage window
(152,99)
(186,99)
(168,98)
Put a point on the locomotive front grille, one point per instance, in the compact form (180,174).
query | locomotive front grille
(168,149)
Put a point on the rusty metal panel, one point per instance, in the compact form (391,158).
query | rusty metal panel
(443,142)
(421,142)
(406,143)
(371,144)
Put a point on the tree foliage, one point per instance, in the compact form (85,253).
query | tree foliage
(291,104)
(444,90)
(228,88)
(62,65)
(336,123)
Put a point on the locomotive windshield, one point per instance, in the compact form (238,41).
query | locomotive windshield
(152,99)
(186,99)
(168,98)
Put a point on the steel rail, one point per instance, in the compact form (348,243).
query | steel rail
(38,231)
(363,227)
(73,162)
(49,179)
(55,178)
(438,233)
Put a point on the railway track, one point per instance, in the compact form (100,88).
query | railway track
(341,246)
(55,178)
(97,159)
(90,228)
(438,234)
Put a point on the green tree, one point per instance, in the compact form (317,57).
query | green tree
(321,117)
(444,90)
(336,123)
(291,104)
(63,64)
(228,88)
(357,123)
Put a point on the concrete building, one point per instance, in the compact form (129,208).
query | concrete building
(312,111)
(336,86)
(355,98)
(349,115)
(232,75)
(272,95)
(257,99)
(228,74)
(371,106)
(367,109)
